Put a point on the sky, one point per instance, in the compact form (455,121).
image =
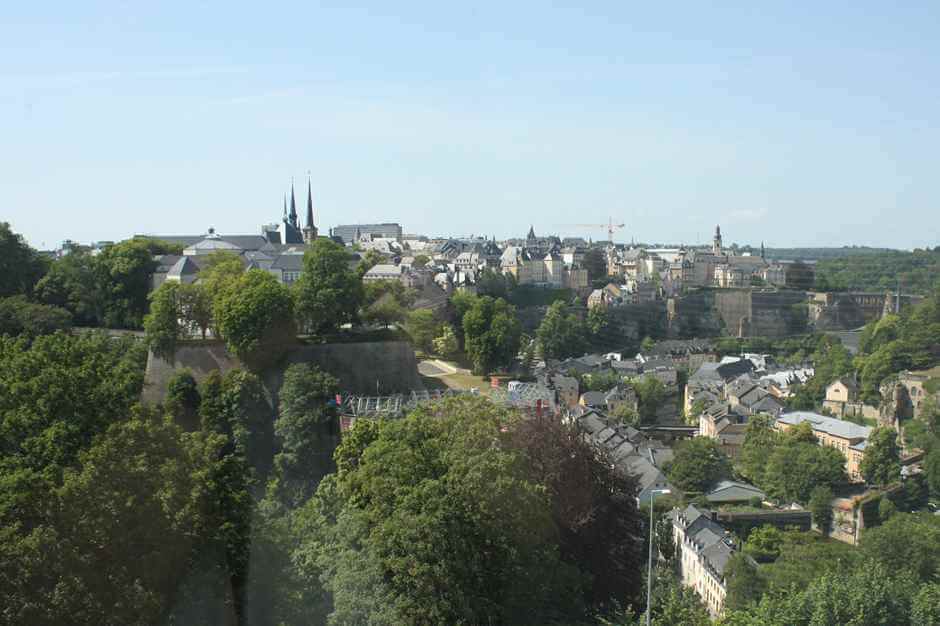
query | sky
(800,124)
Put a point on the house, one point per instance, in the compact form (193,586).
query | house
(567,389)
(840,394)
(383,271)
(594,399)
(287,268)
(846,437)
(704,548)
(733,492)
(726,426)
(619,397)
(630,451)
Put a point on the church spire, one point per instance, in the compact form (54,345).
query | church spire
(309,204)
(292,216)
(285,207)
(310,229)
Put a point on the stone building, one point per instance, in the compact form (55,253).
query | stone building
(846,437)
(704,548)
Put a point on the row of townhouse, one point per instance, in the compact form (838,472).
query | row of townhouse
(704,548)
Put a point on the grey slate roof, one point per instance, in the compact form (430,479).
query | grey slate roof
(732,491)
(830,425)
(288,262)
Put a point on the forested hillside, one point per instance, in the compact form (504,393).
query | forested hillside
(915,272)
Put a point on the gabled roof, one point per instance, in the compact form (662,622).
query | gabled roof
(829,425)
(593,398)
(733,491)
(289,262)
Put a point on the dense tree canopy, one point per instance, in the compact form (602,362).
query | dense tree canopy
(880,271)
(561,333)
(21,267)
(451,515)
(308,432)
(492,334)
(881,463)
(698,464)
(19,316)
(329,292)
(107,289)
(256,318)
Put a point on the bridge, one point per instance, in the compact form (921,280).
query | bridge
(394,405)
(526,398)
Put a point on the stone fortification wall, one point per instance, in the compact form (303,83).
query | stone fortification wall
(734,309)
(389,366)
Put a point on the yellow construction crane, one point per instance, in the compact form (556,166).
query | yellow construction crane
(610,227)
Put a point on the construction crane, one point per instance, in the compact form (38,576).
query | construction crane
(610,227)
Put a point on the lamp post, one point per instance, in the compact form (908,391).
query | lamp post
(649,565)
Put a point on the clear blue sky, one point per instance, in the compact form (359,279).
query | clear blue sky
(802,124)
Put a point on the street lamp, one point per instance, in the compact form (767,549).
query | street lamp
(649,565)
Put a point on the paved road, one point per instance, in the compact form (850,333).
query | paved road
(429,368)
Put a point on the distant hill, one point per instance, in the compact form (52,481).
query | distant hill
(818,254)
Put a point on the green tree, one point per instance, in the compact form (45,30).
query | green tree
(820,505)
(561,334)
(195,303)
(59,392)
(256,318)
(626,415)
(932,469)
(385,311)
(492,334)
(182,400)
(115,536)
(595,262)
(219,272)
(19,316)
(881,462)
(250,417)
(764,544)
(328,292)
(369,260)
(744,584)
(72,283)
(906,542)
(421,260)
(796,467)
(867,595)
(925,610)
(423,326)
(650,393)
(308,432)
(698,464)
(124,272)
(592,507)
(446,343)
(21,267)
(162,324)
(647,344)
(598,323)
(455,533)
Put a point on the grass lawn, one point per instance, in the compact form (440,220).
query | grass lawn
(466,382)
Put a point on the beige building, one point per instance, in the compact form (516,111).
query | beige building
(846,437)
(547,271)
(704,549)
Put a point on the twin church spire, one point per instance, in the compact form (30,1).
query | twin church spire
(292,220)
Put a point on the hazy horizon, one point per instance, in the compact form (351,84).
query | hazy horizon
(798,126)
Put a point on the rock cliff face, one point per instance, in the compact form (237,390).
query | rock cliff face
(389,366)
